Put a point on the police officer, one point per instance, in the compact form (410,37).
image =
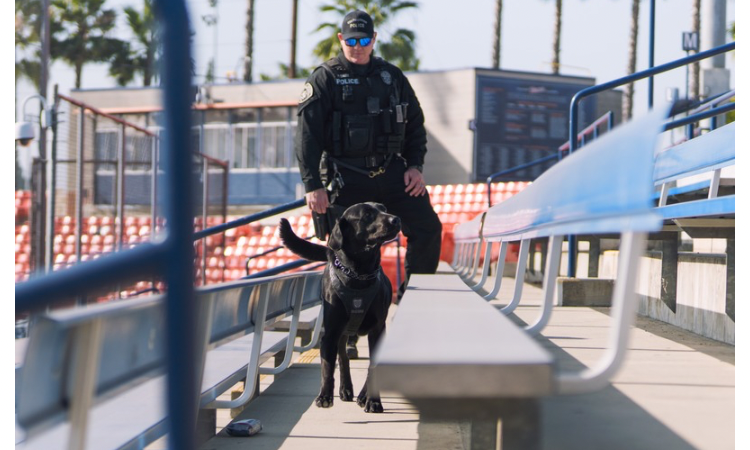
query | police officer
(360,133)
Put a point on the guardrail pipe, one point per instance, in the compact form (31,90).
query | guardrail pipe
(182,312)
(648,73)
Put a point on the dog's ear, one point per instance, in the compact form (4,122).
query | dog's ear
(336,240)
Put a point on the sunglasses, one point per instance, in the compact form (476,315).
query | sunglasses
(364,42)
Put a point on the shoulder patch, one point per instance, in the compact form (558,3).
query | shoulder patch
(307,93)
(386,77)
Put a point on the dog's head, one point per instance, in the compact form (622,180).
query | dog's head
(364,226)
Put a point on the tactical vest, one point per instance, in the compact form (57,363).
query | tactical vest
(356,301)
(368,114)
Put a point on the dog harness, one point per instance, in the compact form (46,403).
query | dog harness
(356,301)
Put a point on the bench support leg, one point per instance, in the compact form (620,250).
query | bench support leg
(520,427)
(483,435)
(517,429)
(729,308)
(206,427)
(595,249)
(305,337)
(669,271)
(278,358)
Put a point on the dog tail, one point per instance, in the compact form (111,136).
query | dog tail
(299,246)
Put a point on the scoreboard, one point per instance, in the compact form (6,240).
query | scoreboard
(522,117)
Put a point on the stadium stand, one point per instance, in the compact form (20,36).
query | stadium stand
(453,203)
(481,366)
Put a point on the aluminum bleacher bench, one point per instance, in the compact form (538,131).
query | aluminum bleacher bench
(694,195)
(94,377)
(697,205)
(309,325)
(454,356)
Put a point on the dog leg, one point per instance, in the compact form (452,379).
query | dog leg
(346,389)
(370,399)
(328,350)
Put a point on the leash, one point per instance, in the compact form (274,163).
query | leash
(372,173)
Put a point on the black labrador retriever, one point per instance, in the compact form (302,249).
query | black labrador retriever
(356,292)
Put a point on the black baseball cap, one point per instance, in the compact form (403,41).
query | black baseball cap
(357,24)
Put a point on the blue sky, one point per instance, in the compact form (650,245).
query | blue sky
(450,34)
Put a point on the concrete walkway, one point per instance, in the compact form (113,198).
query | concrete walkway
(675,391)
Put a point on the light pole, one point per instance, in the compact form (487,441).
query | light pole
(41,218)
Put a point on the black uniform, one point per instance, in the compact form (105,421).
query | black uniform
(367,122)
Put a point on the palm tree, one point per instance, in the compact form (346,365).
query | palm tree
(627,104)
(28,31)
(399,49)
(695,69)
(249,30)
(556,38)
(498,29)
(140,56)
(81,34)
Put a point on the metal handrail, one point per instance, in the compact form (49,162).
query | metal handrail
(248,219)
(301,262)
(714,101)
(700,116)
(115,119)
(580,95)
(283,268)
(607,118)
(648,73)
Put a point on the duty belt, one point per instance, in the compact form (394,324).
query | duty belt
(376,163)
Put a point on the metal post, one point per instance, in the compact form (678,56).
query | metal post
(38,214)
(183,380)
(292,72)
(651,44)
(204,218)
(79,176)
(79,186)
(121,191)
(687,78)
(154,181)
(49,247)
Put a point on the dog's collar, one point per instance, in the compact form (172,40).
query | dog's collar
(352,274)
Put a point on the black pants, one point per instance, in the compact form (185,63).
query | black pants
(419,223)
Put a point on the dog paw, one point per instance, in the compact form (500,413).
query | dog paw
(373,406)
(346,394)
(324,401)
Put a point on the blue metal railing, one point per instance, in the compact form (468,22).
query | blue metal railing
(648,73)
(707,114)
(248,219)
(303,262)
(172,257)
(635,77)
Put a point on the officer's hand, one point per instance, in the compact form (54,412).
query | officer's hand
(317,200)
(414,182)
